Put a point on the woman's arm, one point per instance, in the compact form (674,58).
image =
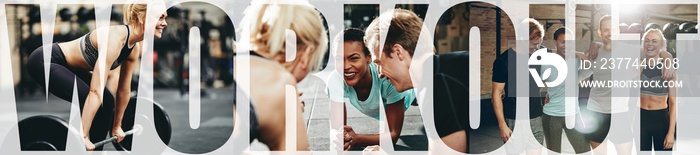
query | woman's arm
(94,99)
(670,136)
(346,138)
(394,116)
(124,88)
(667,69)
(98,82)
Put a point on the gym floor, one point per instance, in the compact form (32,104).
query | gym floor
(317,111)
(214,129)
(216,120)
(216,117)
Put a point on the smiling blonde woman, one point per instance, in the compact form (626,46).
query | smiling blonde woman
(79,57)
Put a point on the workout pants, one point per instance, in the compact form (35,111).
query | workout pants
(62,78)
(654,127)
(519,142)
(553,126)
(450,105)
(600,127)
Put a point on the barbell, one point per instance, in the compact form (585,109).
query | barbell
(137,129)
(160,119)
(50,133)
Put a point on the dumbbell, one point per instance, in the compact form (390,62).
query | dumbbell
(686,27)
(652,26)
(623,27)
(50,133)
(635,28)
(670,30)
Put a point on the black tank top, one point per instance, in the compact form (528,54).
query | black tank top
(90,53)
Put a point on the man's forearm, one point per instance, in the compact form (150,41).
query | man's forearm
(498,110)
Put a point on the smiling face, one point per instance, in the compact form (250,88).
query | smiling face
(395,67)
(160,25)
(356,63)
(560,42)
(135,14)
(605,31)
(395,56)
(653,43)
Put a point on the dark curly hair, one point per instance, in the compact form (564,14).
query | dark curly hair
(355,34)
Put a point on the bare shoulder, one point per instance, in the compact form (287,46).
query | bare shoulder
(268,80)
(119,31)
(265,70)
(268,73)
(117,34)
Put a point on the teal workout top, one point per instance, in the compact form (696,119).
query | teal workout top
(381,87)
(557,94)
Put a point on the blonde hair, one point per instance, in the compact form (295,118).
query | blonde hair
(131,12)
(372,35)
(404,28)
(657,32)
(267,25)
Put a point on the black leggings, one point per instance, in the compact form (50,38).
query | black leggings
(552,127)
(654,127)
(61,82)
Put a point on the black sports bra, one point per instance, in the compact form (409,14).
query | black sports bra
(649,74)
(90,53)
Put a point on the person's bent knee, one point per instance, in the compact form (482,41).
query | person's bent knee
(35,67)
(456,141)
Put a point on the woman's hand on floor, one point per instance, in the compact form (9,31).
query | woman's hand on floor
(348,136)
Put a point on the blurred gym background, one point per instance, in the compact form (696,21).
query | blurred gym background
(451,35)
(170,67)
(170,51)
(497,35)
